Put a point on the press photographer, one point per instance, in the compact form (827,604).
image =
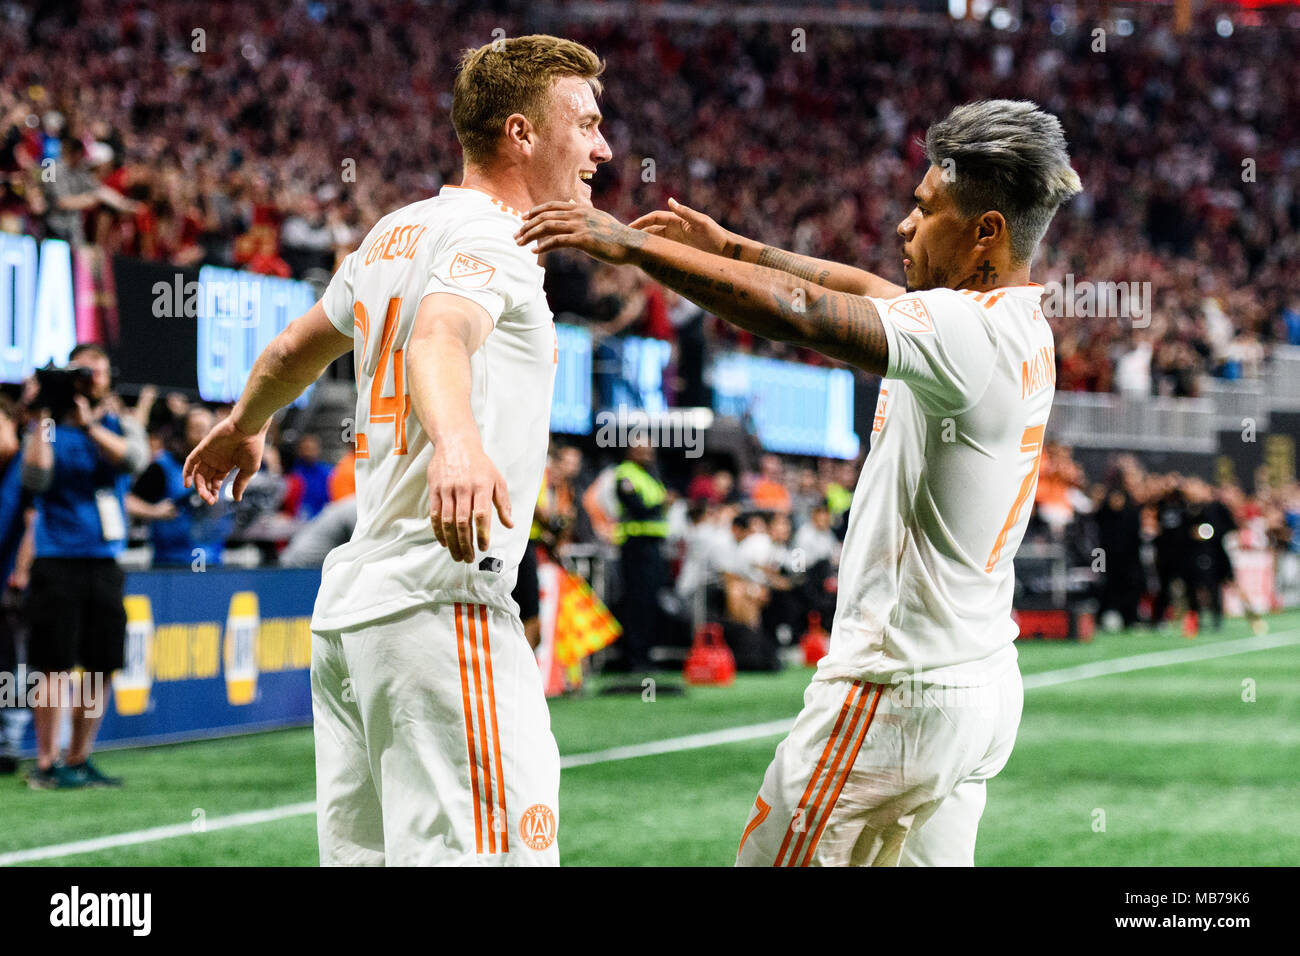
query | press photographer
(79,454)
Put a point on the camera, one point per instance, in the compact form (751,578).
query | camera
(59,388)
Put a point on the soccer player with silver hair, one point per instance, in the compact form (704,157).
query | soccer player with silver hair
(917,703)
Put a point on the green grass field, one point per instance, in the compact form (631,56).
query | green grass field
(1184,770)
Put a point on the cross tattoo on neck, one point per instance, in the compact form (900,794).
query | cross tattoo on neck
(986,271)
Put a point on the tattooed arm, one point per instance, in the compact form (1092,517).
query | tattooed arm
(683,224)
(832,275)
(766,301)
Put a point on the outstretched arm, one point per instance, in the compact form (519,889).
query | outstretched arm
(684,224)
(293,360)
(290,362)
(768,302)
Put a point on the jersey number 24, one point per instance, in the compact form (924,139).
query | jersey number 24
(384,409)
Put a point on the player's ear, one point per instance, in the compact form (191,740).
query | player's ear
(521,135)
(990,231)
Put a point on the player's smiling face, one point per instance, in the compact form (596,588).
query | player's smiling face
(569,144)
(937,242)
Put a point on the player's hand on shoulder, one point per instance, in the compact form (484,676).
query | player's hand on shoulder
(683,224)
(464,487)
(568,225)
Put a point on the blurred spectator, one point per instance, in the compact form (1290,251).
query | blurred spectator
(1119,527)
(553,520)
(1059,493)
(785,614)
(699,547)
(1207,524)
(600,504)
(185,530)
(13,575)
(701,487)
(256,251)
(806,496)
(74,192)
(259,515)
(1133,368)
(343,477)
(839,489)
(814,541)
(640,533)
(1170,546)
(769,492)
(311,477)
(743,579)
(313,542)
(77,461)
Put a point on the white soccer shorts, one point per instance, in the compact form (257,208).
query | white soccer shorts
(433,743)
(883,775)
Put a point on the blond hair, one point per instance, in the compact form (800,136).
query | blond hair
(512,76)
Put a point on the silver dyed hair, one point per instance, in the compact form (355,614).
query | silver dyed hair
(1009,156)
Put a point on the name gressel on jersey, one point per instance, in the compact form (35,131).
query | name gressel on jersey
(459,242)
(926,577)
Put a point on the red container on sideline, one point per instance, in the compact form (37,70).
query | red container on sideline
(814,642)
(710,660)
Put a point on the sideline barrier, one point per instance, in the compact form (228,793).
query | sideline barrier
(211,654)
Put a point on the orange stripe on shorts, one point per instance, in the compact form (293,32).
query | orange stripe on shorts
(811,816)
(502,819)
(763,810)
(485,730)
(862,735)
(812,782)
(469,726)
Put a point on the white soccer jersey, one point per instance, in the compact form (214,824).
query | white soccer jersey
(461,242)
(940,508)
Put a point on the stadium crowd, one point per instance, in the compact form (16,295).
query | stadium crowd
(1150,541)
(271,136)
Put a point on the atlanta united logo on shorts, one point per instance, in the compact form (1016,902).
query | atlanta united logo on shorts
(537,826)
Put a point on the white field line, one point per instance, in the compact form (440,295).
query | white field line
(251,818)
(713,738)
(1182,655)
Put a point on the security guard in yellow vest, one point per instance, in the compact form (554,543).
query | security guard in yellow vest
(640,531)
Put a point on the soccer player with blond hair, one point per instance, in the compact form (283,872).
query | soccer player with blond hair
(433,740)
